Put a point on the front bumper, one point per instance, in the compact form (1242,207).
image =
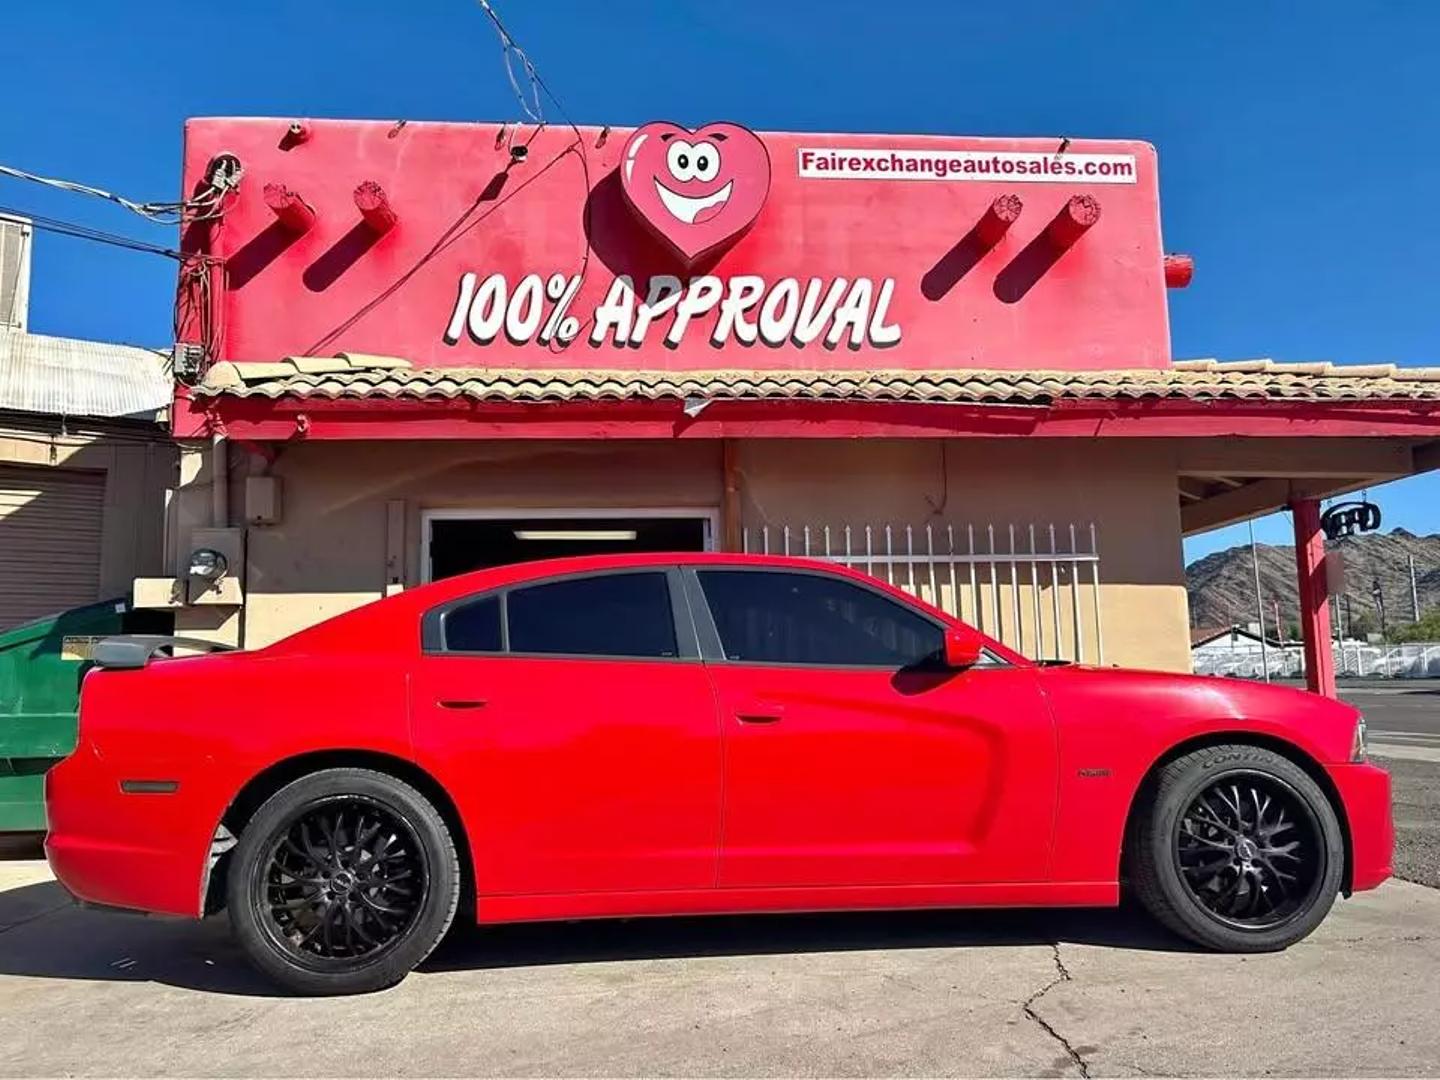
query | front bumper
(1365,793)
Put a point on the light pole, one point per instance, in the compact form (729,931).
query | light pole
(1259,602)
(1379,595)
(1414,595)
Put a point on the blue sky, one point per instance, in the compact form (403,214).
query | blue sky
(1298,151)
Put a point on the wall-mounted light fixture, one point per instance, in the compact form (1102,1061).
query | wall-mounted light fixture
(207,563)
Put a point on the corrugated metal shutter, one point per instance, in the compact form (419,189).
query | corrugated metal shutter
(50,522)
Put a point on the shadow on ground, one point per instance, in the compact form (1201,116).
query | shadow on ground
(49,937)
(22,846)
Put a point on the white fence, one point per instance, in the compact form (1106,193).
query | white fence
(1415,660)
(1034,587)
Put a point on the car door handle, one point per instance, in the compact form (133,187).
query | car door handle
(760,712)
(461,703)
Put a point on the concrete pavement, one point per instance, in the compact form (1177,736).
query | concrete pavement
(989,993)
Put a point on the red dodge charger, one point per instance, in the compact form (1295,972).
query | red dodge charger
(668,734)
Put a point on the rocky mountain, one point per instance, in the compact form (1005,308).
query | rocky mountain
(1222,585)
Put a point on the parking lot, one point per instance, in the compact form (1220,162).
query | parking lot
(991,993)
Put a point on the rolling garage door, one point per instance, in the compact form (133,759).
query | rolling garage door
(50,522)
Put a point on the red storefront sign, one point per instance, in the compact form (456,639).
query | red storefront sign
(677,248)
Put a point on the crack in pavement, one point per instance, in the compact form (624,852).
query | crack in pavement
(7,927)
(1028,1007)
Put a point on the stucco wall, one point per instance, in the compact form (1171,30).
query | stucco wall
(330,551)
(347,507)
(1127,492)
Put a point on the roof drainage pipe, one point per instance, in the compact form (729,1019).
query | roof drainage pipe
(220,482)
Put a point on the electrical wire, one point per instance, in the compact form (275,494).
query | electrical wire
(195,309)
(194,297)
(510,52)
(203,207)
(469,219)
(511,48)
(100,236)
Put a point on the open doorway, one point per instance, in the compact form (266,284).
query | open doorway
(459,541)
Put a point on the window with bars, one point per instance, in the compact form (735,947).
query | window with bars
(1033,586)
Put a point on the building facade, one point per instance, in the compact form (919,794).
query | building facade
(85,457)
(418,349)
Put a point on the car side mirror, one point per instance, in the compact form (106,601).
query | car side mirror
(963,647)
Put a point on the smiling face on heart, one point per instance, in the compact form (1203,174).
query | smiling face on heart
(699,190)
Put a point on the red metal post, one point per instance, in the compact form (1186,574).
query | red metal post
(1179,271)
(1078,214)
(374,207)
(289,208)
(997,219)
(1314,606)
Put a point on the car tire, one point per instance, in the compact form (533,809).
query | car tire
(342,882)
(1235,848)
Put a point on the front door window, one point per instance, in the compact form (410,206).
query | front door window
(815,620)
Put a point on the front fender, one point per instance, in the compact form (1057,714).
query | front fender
(1114,727)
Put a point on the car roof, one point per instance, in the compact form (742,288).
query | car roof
(404,608)
(514,573)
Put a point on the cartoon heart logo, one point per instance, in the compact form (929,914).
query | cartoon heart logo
(695,190)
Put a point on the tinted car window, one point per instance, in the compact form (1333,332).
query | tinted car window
(785,618)
(474,627)
(609,615)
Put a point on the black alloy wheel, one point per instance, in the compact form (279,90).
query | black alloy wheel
(1236,848)
(342,882)
(346,880)
(1249,850)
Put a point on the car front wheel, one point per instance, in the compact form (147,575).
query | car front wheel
(1237,849)
(342,882)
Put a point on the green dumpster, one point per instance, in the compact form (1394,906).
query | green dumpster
(41,664)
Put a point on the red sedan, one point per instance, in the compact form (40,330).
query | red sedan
(655,735)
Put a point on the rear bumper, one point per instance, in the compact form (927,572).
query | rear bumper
(1365,792)
(142,852)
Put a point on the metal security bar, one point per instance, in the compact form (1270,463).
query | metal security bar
(1034,587)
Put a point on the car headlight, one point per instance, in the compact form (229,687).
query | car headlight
(1357,747)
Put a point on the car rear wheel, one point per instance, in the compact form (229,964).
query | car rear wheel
(342,882)
(1237,849)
